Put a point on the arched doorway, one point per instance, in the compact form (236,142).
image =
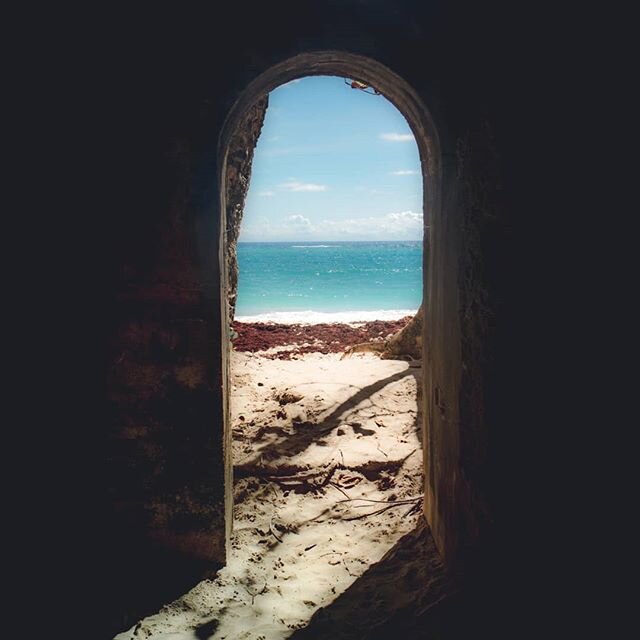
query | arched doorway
(406,100)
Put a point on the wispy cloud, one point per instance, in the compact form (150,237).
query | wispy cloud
(299,223)
(266,194)
(404,172)
(402,225)
(396,137)
(302,186)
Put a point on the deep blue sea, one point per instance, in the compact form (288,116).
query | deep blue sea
(328,281)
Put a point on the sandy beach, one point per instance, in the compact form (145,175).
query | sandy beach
(328,482)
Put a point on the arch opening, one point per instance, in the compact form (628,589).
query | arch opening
(369,74)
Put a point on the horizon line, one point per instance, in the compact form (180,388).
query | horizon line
(319,241)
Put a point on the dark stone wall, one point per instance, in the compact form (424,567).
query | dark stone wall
(165,515)
(173,78)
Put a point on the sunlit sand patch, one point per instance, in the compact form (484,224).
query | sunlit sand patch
(328,479)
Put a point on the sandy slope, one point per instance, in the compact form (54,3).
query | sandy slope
(322,448)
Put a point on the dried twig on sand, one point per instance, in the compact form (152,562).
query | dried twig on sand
(340,489)
(401,501)
(390,505)
(275,535)
(293,475)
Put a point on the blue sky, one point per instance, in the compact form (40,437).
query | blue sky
(333,163)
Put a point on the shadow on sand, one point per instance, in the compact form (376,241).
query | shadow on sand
(303,434)
(392,599)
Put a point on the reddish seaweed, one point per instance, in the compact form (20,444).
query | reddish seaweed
(310,338)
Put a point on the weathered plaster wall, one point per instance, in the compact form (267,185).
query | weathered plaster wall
(239,163)
(176,84)
(461,312)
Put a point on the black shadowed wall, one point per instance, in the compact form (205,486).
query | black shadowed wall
(177,75)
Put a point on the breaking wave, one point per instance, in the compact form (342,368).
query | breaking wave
(318,317)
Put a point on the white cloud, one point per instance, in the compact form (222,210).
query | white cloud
(266,194)
(303,186)
(406,217)
(396,137)
(293,227)
(299,221)
(403,225)
(404,172)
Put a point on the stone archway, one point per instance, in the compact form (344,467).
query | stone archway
(406,100)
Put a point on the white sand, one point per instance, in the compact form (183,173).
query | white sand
(307,434)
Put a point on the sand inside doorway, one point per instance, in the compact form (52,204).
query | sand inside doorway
(328,480)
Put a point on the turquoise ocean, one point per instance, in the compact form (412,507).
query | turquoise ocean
(328,281)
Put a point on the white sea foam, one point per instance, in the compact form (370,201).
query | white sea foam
(317,317)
